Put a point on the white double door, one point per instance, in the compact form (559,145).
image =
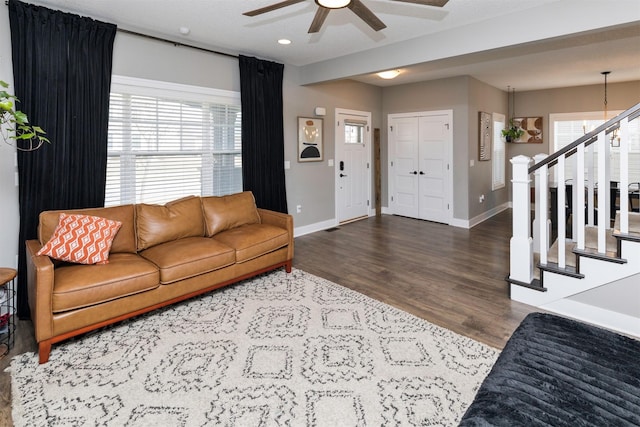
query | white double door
(420,146)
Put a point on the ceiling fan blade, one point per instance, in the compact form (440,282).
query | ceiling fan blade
(366,15)
(318,20)
(274,6)
(436,3)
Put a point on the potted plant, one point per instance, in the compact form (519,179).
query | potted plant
(15,125)
(513,132)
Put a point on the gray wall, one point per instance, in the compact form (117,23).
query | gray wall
(444,94)
(312,184)
(308,184)
(144,58)
(466,96)
(620,96)
(483,97)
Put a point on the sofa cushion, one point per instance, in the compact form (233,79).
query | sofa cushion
(188,257)
(251,241)
(79,286)
(157,224)
(226,212)
(83,239)
(125,240)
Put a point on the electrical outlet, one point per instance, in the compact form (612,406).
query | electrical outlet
(299,208)
(481,198)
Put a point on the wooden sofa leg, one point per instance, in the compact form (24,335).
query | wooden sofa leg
(44,348)
(287,266)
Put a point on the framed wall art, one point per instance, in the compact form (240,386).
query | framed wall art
(486,131)
(532,127)
(310,139)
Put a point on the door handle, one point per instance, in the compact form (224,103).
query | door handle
(414,173)
(421,173)
(342,175)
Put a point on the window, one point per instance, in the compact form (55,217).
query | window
(354,131)
(568,127)
(168,141)
(499,156)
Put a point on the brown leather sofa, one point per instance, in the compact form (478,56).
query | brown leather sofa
(162,254)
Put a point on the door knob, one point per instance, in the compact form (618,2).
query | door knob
(421,173)
(414,173)
(342,175)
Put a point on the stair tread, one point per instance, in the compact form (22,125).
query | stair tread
(555,268)
(590,246)
(570,257)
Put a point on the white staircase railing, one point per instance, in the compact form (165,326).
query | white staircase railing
(523,242)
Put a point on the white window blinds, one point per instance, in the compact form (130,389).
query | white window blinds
(168,141)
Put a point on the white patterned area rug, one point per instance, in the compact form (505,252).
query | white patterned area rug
(277,350)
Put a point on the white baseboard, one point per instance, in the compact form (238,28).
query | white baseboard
(461,223)
(470,223)
(608,319)
(487,214)
(312,228)
(455,222)
(324,225)
(385,211)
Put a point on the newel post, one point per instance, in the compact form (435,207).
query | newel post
(521,246)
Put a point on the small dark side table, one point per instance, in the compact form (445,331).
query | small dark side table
(7,314)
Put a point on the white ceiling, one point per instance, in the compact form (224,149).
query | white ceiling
(570,56)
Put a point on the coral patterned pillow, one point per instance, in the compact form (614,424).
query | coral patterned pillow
(82,239)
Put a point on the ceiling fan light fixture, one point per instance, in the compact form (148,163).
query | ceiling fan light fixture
(388,75)
(333,4)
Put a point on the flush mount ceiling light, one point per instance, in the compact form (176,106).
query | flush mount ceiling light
(333,4)
(284,41)
(390,74)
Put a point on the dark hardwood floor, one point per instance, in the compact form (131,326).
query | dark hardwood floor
(449,276)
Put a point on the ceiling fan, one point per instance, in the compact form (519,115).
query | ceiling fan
(356,6)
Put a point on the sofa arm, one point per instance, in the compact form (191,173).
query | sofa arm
(40,279)
(281,220)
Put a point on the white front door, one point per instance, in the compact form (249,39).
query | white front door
(419,167)
(352,164)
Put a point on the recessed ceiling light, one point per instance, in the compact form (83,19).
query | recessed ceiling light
(390,74)
(284,41)
(184,31)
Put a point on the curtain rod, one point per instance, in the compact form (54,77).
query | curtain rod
(160,39)
(176,43)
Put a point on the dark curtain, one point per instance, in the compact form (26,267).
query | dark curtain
(262,132)
(62,75)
